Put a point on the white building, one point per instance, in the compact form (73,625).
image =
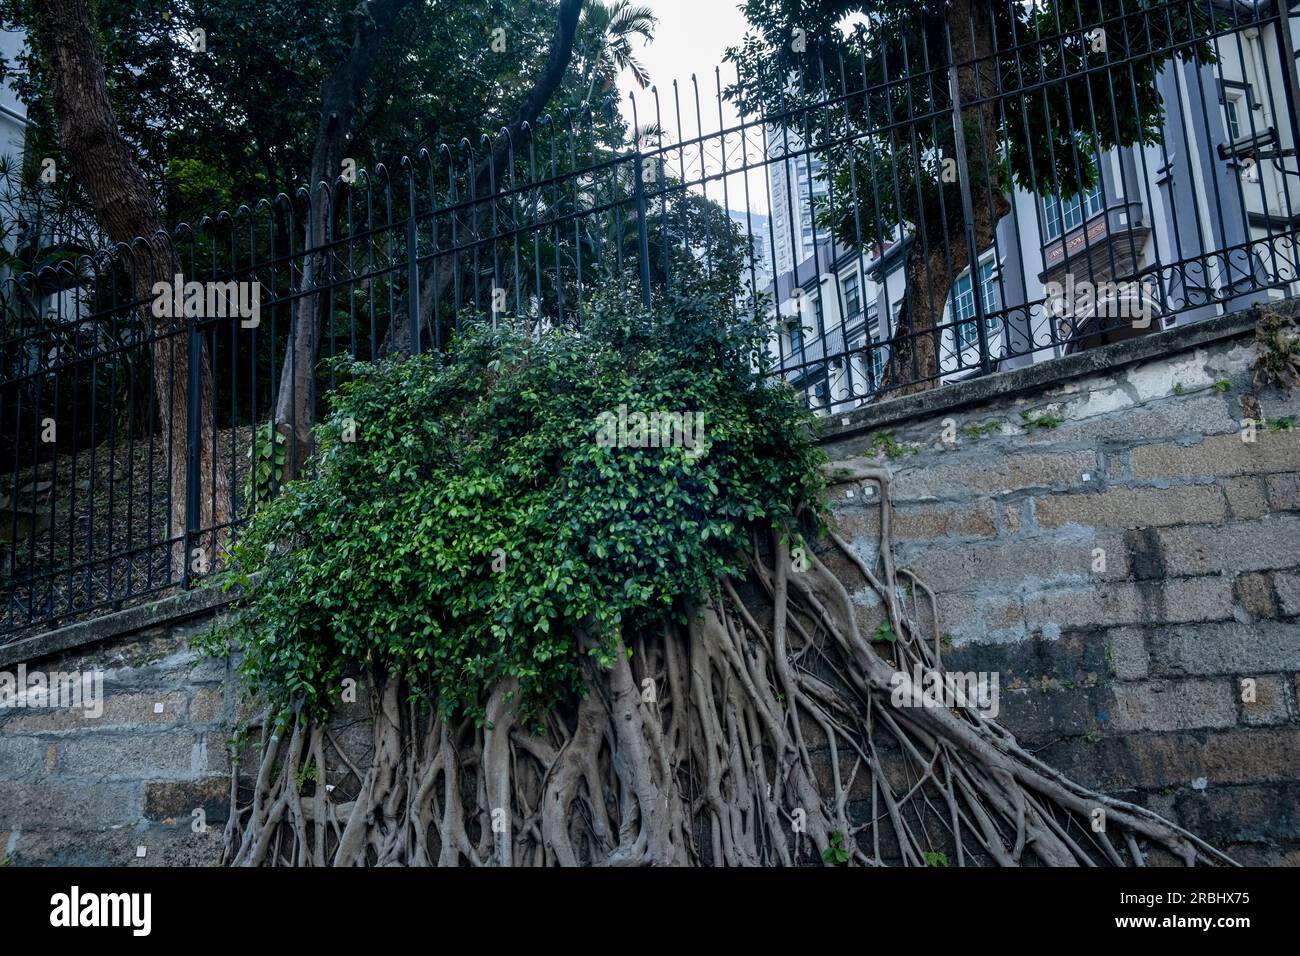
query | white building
(13,114)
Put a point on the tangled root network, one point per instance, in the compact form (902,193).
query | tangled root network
(742,738)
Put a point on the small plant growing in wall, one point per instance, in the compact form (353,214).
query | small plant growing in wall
(1277,348)
(836,854)
(885,444)
(1045,420)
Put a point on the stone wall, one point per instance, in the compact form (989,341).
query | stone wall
(1127,673)
(76,791)
(1127,676)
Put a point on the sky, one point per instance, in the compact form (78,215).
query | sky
(691,37)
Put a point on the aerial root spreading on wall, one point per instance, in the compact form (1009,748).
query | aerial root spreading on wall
(737,739)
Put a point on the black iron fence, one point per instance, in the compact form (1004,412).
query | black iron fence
(939,198)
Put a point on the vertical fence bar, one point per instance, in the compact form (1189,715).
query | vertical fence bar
(192,437)
(968,214)
(642,234)
(412,279)
(1290,71)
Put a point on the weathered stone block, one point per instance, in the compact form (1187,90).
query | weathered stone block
(1270,705)
(170,802)
(1283,491)
(1176,601)
(120,710)
(164,846)
(1256,812)
(1037,716)
(1217,455)
(1095,761)
(1226,648)
(1247,497)
(207,705)
(1287,586)
(995,474)
(128,756)
(54,804)
(1173,705)
(21,757)
(1110,416)
(1129,659)
(1226,757)
(1015,564)
(1237,546)
(1134,507)
(1255,595)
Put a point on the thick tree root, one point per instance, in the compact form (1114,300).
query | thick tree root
(773,737)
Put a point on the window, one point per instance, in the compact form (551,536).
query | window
(962,305)
(852,296)
(1238,101)
(1234,123)
(1061,215)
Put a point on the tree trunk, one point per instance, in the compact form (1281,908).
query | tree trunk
(913,364)
(295,406)
(104,166)
(442,273)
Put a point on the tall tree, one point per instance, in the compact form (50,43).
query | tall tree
(105,167)
(606,48)
(230,119)
(340,99)
(440,275)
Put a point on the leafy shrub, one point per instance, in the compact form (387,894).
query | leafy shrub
(474,526)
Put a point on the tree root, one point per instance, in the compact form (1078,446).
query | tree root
(777,736)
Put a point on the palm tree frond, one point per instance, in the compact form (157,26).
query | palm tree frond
(629,19)
(636,68)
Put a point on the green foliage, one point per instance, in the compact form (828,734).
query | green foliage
(475,529)
(237,120)
(883,443)
(977,432)
(1222,385)
(836,854)
(1046,420)
(306,774)
(885,632)
(1284,424)
(936,858)
(266,464)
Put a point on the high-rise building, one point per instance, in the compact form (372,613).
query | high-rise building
(755,230)
(796,184)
